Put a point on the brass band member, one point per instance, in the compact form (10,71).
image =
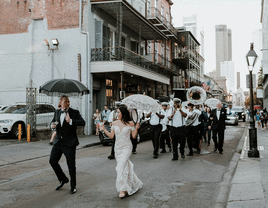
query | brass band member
(177,128)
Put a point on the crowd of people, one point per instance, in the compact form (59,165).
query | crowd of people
(174,126)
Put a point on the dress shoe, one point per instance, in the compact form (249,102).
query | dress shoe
(73,191)
(155,156)
(190,154)
(134,152)
(215,149)
(198,150)
(51,143)
(221,152)
(163,151)
(175,157)
(111,157)
(183,156)
(61,184)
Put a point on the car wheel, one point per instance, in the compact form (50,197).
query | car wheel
(15,130)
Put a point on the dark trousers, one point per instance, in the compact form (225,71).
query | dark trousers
(209,135)
(134,144)
(55,156)
(178,135)
(155,131)
(218,137)
(112,149)
(165,139)
(193,137)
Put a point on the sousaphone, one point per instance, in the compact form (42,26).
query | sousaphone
(196,95)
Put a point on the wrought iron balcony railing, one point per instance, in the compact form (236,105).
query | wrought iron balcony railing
(124,54)
(154,12)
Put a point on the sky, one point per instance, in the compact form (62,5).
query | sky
(241,16)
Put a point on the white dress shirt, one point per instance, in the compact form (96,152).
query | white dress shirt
(154,120)
(218,113)
(196,122)
(62,117)
(178,120)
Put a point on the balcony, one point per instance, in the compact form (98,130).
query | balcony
(120,54)
(154,15)
(131,18)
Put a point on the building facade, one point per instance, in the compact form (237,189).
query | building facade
(223,46)
(115,48)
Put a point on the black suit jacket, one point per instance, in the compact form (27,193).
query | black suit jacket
(204,119)
(216,123)
(66,134)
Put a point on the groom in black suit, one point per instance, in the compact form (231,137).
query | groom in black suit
(65,122)
(217,124)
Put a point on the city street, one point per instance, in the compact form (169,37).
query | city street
(198,181)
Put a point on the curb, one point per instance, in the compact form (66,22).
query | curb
(36,158)
(225,185)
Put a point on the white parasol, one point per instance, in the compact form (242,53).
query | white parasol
(212,102)
(141,102)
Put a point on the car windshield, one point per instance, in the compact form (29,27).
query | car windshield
(16,109)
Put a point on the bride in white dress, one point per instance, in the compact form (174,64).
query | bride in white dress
(127,182)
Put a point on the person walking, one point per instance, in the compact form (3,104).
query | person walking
(65,122)
(217,125)
(176,117)
(155,130)
(207,117)
(165,138)
(192,129)
(127,182)
(97,120)
(105,115)
(257,116)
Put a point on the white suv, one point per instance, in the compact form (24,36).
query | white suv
(14,115)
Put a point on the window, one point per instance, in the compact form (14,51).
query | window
(109,93)
(109,82)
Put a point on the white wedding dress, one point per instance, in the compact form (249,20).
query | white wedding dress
(126,179)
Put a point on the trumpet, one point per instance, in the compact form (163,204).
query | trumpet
(177,106)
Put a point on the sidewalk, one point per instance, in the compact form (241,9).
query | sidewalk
(23,151)
(249,185)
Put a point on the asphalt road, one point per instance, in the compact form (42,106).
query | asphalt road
(191,182)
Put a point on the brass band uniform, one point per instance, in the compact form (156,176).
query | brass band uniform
(177,128)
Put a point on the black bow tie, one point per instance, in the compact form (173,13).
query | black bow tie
(62,111)
(219,110)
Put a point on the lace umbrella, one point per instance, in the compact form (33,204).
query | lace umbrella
(212,102)
(141,102)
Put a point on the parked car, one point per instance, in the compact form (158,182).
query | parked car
(3,107)
(240,112)
(104,139)
(143,133)
(14,115)
(232,119)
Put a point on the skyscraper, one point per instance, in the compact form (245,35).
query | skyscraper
(190,24)
(227,70)
(223,46)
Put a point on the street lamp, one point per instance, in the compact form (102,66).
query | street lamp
(253,148)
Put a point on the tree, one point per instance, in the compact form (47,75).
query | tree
(256,101)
